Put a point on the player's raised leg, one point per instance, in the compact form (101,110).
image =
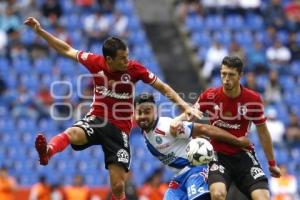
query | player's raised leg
(58,143)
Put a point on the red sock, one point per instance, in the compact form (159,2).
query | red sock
(58,143)
(122,197)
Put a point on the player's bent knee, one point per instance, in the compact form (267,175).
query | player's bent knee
(218,191)
(260,194)
(218,195)
(118,187)
(76,135)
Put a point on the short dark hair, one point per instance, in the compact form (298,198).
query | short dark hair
(112,45)
(143,98)
(233,62)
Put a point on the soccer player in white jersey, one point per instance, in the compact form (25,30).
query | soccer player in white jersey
(167,138)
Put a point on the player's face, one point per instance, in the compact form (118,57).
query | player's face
(230,77)
(145,115)
(120,62)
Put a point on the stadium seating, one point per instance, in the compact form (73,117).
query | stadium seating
(32,73)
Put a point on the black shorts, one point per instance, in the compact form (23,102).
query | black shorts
(114,142)
(242,168)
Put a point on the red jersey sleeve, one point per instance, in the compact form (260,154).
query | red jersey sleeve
(258,111)
(204,99)
(90,61)
(145,75)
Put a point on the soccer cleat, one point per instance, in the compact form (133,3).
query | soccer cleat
(41,148)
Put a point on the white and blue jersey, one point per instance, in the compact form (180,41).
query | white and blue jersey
(190,181)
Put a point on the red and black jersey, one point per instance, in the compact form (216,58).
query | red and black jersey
(231,114)
(113,91)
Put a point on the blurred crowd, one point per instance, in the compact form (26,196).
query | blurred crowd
(84,24)
(152,189)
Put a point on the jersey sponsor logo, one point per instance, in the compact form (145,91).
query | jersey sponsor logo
(242,110)
(85,55)
(159,131)
(125,78)
(223,124)
(256,172)
(167,159)
(158,140)
(123,156)
(106,92)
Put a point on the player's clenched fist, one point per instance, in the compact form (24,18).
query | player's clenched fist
(33,23)
(275,171)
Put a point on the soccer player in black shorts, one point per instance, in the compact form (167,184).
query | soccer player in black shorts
(233,108)
(109,121)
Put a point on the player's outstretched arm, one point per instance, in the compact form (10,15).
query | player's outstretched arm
(220,135)
(168,92)
(60,46)
(266,142)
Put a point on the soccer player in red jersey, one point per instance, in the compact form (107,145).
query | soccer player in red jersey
(109,121)
(233,107)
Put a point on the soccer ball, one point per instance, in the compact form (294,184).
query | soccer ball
(199,151)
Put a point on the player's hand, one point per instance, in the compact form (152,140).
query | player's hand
(33,23)
(275,171)
(176,127)
(193,114)
(244,142)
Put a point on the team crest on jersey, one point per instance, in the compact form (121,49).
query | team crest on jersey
(84,55)
(242,110)
(158,140)
(125,78)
